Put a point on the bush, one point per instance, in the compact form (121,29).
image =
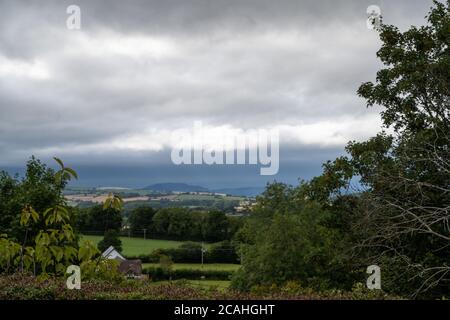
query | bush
(222,252)
(111,238)
(191,252)
(158,274)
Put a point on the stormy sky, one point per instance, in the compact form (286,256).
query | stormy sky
(108,97)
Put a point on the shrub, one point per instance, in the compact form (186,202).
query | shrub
(191,252)
(157,274)
(111,238)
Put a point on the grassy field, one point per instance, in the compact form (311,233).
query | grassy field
(137,246)
(220,285)
(206,266)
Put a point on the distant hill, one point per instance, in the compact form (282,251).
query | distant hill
(184,187)
(180,187)
(245,192)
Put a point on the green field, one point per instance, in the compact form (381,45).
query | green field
(137,246)
(221,285)
(206,266)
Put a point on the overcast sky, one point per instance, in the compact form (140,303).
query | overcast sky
(106,98)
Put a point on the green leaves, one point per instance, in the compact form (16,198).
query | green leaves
(27,213)
(56,214)
(113,201)
(9,250)
(51,244)
(65,173)
(87,251)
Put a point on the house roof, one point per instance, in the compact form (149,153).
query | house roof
(133,267)
(112,253)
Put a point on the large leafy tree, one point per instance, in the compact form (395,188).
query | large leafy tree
(292,237)
(390,197)
(141,218)
(100,219)
(41,188)
(50,244)
(403,205)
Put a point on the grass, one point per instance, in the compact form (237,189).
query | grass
(219,285)
(206,266)
(137,246)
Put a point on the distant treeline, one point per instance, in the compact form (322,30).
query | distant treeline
(191,252)
(168,223)
(216,203)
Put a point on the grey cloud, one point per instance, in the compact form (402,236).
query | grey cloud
(247,63)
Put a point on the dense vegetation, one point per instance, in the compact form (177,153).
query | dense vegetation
(43,242)
(324,234)
(169,223)
(221,252)
(19,287)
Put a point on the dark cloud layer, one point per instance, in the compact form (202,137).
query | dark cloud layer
(111,93)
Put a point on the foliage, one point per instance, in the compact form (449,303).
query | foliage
(165,263)
(184,224)
(141,218)
(49,243)
(169,223)
(388,199)
(38,189)
(111,238)
(407,175)
(160,273)
(100,218)
(24,287)
(292,246)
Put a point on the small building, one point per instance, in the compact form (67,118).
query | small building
(129,268)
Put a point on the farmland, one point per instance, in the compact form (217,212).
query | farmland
(137,246)
(88,197)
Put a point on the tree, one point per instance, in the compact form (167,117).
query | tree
(406,208)
(389,198)
(292,237)
(141,218)
(401,221)
(216,226)
(292,247)
(49,244)
(111,238)
(38,189)
(103,219)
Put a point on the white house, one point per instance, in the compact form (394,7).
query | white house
(130,268)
